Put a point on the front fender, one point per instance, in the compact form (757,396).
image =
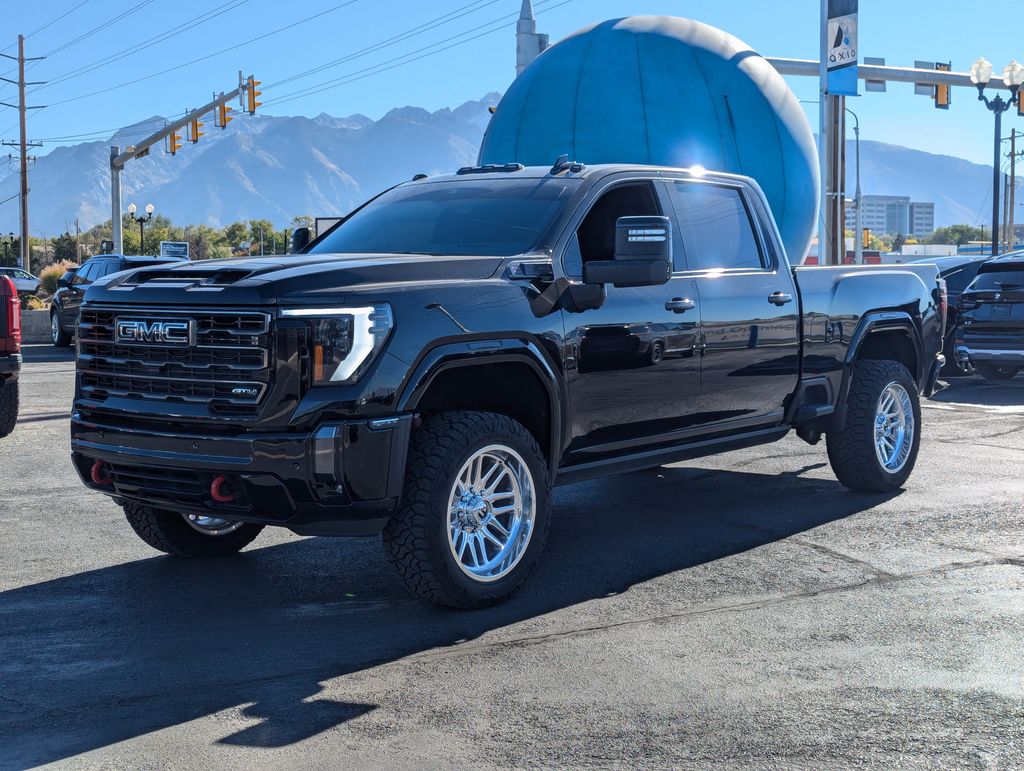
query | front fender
(484,351)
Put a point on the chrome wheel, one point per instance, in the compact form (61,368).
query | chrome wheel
(212,525)
(894,427)
(491,513)
(54,327)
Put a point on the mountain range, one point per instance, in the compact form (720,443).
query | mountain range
(277,167)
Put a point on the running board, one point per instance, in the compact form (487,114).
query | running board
(665,455)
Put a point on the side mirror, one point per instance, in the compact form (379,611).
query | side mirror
(300,239)
(643,254)
(65,280)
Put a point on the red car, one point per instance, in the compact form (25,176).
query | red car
(10,354)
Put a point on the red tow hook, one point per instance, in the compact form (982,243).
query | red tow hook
(100,474)
(220,490)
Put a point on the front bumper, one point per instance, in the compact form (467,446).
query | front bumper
(344,478)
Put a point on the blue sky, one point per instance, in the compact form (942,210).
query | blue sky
(383,67)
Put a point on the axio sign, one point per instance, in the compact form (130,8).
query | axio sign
(841,61)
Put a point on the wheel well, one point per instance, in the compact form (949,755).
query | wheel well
(892,344)
(507,388)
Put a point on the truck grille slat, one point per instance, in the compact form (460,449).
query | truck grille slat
(228,367)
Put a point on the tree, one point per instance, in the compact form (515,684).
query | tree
(957,235)
(236,234)
(897,242)
(65,248)
(303,221)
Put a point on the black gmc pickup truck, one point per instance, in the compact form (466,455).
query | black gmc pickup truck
(432,365)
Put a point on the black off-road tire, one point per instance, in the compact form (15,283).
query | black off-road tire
(60,337)
(416,536)
(8,406)
(851,451)
(993,372)
(167,531)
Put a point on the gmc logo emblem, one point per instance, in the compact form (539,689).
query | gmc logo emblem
(165,332)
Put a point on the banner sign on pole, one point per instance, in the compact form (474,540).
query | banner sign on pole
(842,47)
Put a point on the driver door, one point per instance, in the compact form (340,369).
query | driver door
(631,366)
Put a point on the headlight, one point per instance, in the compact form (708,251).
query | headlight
(343,341)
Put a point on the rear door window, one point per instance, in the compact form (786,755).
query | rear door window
(717,230)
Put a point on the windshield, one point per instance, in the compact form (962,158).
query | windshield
(460,217)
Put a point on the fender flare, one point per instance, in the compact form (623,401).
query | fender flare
(878,321)
(492,350)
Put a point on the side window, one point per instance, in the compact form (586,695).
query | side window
(22,274)
(595,237)
(716,228)
(85,274)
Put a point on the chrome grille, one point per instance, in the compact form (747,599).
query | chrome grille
(228,369)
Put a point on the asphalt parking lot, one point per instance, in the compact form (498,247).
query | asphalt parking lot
(743,610)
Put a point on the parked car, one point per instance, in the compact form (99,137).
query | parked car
(957,271)
(72,285)
(415,371)
(10,354)
(990,340)
(24,281)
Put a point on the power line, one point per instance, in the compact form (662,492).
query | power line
(156,39)
(447,18)
(54,20)
(207,56)
(397,61)
(99,27)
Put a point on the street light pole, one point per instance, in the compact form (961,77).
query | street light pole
(858,236)
(1013,75)
(132,208)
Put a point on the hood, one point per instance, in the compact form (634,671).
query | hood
(287,279)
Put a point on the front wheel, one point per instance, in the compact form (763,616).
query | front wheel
(474,514)
(193,535)
(877,448)
(60,338)
(992,372)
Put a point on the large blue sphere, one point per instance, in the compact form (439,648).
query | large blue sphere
(666,91)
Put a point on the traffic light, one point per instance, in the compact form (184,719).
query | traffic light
(223,119)
(193,130)
(173,142)
(1020,104)
(251,93)
(943,91)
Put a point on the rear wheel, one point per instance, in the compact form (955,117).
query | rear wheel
(60,338)
(8,406)
(993,372)
(877,448)
(474,514)
(657,352)
(193,535)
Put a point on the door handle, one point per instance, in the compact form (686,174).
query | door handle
(780,298)
(680,305)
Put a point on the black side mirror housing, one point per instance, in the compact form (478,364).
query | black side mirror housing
(643,254)
(300,239)
(65,280)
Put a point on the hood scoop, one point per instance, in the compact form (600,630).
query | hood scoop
(184,277)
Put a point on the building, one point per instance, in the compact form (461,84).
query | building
(892,215)
(529,43)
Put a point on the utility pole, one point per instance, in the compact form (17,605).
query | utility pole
(23,144)
(1013,189)
(78,241)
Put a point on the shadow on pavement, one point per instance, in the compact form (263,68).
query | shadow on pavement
(45,352)
(103,656)
(978,391)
